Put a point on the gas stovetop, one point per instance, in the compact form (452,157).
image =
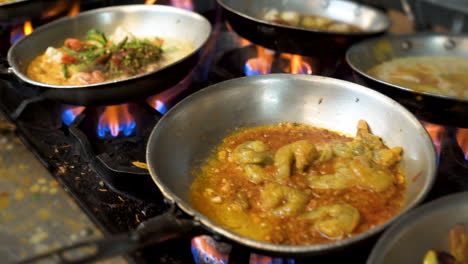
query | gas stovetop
(98,153)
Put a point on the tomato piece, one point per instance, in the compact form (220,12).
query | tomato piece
(159,41)
(68,59)
(73,43)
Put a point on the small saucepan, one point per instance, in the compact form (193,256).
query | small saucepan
(142,21)
(189,132)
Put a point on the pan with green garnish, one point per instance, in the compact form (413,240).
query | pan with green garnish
(110,55)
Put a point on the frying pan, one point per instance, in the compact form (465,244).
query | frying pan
(423,229)
(188,133)
(246,18)
(443,109)
(142,21)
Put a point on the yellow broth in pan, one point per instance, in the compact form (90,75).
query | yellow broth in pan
(440,75)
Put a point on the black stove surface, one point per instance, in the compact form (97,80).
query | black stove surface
(105,175)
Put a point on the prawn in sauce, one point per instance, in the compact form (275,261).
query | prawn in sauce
(295,184)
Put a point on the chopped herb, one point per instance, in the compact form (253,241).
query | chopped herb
(122,43)
(97,36)
(113,59)
(65,73)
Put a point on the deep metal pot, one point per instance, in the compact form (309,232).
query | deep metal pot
(184,138)
(443,109)
(246,18)
(141,20)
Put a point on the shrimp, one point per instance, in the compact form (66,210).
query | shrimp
(364,134)
(250,156)
(281,200)
(302,152)
(388,157)
(369,175)
(335,220)
(360,172)
(366,165)
(325,153)
(341,179)
(251,152)
(89,78)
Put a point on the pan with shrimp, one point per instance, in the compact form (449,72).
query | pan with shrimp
(291,165)
(288,165)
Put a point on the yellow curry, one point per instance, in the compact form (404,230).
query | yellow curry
(298,185)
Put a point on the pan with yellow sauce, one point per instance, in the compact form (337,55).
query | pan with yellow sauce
(439,75)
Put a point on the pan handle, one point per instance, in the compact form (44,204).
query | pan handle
(155,230)
(5,68)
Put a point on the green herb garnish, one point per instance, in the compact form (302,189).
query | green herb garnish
(123,58)
(64,69)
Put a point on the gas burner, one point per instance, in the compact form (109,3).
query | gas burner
(245,59)
(452,155)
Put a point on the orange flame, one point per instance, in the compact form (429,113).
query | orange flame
(28,28)
(18,32)
(437,133)
(150,2)
(57,9)
(228,26)
(160,101)
(185,4)
(77,110)
(297,65)
(202,243)
(114,118)
(75,9)
(259,259)
(242,41)
(462,138)
(261,63)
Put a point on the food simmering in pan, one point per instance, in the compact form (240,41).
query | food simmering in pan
(295,184)
(458,249)
(100,58)
(440,75)
(291,18)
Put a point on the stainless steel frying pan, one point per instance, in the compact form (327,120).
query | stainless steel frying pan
(448,110)
(188,133)
(247,18)
(142,21)
(425,228)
